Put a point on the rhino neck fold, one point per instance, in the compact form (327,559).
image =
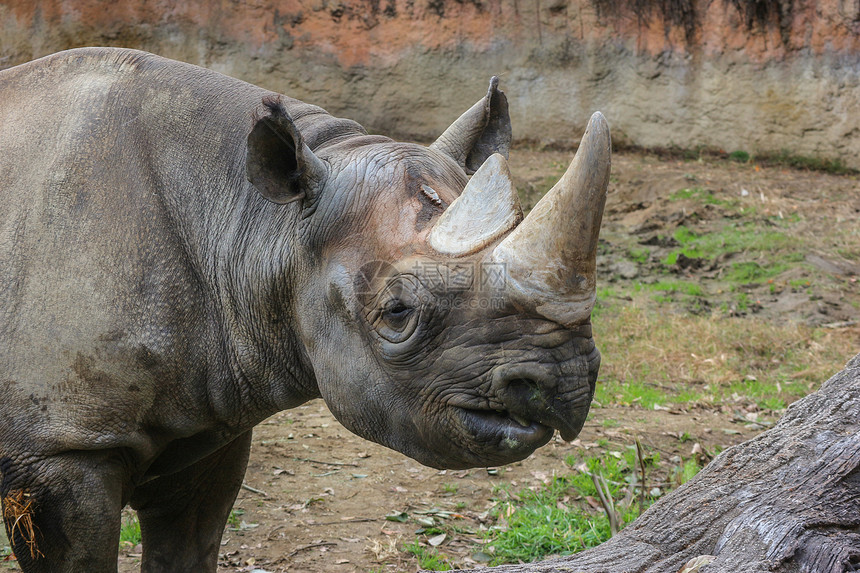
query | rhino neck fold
(238,245)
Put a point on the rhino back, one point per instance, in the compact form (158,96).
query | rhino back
(121,181)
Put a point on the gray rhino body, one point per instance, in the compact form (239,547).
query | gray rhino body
(183,254)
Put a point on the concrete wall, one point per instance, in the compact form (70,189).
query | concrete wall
(788,81)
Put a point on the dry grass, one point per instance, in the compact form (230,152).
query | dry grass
(383,551)
(18,513)
(704,358)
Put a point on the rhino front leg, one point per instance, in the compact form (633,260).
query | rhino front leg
(182,515)
(62,513)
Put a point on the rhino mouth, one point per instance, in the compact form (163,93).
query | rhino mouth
(507,430)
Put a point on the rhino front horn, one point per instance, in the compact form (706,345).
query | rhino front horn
(549,259)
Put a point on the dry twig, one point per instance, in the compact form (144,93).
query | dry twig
(254,490)
(606,501)
(640,456)
(311,546)
(354,465)
(18,510)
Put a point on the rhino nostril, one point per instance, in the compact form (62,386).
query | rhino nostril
(523,390)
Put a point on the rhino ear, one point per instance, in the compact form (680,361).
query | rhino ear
(278,162)
(483,130)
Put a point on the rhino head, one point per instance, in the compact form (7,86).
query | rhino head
(437,320)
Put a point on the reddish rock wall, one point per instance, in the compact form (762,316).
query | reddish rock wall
(708,72)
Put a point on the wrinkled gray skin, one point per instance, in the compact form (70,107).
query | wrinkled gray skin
(179,261)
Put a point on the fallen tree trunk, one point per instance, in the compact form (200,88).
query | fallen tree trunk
(785,501)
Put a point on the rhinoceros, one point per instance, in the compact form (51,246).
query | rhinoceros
(183,254)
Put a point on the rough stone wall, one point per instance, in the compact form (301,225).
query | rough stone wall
(753,75)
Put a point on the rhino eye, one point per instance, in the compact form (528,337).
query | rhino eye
(399,309)
(397,321)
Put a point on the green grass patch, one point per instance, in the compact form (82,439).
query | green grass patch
(639,255)
(686,471)
(752,272)
(687,396)
(539,522)
(5,547)
(428,558)
(665,292)
(234,520)
(604,296)
(782,158)
(702,195)
(638,393)
(784,220)
(671,287)
(605,292)
(537,527)
(734,238)
(767,394)
(129,532)
(741,302)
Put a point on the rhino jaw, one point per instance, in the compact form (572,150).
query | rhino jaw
(511,432)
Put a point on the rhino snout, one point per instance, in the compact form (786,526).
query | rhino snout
(537,393)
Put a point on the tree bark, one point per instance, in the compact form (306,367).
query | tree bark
(785,501)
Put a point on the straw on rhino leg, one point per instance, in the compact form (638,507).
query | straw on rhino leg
(61,513)
(18,518)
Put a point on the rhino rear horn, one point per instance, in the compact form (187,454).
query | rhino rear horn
(278,162)
(486,209)
(483,130)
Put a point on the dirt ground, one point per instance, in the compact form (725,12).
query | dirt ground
(318,496)
(327,492)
